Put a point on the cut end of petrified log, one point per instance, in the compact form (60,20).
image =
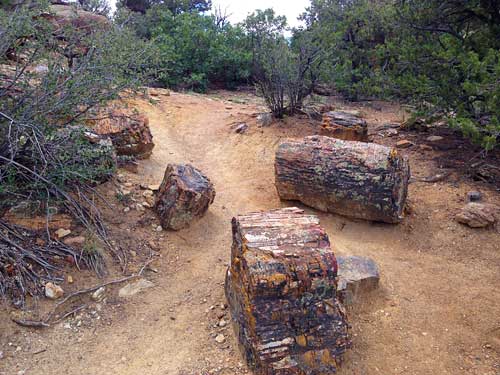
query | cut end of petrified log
(185,194)
(282,293)
(355,179)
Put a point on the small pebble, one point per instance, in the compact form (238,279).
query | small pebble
(220,338)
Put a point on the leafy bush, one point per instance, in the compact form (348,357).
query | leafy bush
(441,55)
(195,49)
(285,73)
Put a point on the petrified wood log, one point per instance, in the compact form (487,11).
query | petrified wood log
(344,125)
(184,194)
(360,180)
(281,289)
(128,130)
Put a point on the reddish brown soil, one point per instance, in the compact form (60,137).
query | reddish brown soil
(437,310)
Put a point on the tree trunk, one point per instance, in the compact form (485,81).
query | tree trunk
(355,179)
(282,293)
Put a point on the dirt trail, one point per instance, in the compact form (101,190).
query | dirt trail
(435,313)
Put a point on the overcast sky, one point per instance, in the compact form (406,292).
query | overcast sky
(239,9)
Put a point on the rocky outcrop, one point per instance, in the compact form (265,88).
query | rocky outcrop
(355,179)
(128,130)
(348,126)
(282,293)
(185,194)
(66,15)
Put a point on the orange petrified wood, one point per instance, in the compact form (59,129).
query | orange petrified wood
(282,293)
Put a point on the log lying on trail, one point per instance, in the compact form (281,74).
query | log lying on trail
(281,288)
(355,179)
(344,125)
(184,194)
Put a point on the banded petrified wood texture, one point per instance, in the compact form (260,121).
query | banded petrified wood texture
(344,125)
(184,194)
(281,288)
(355,179)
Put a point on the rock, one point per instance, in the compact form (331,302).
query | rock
(344,125)
(390,132)
(404,144)
(61,233)
(356,179)
(75,241)
(147,193)
(69,278)
(185,194)
(65,15)
(474,196)
(435,138)
(222,323)
(53,291)
(128,130)
(281,290)
(131,166)
(479,215)
(241,128)
(99,294)
(357,276)
(265,119)
(425,147)
(155,187)
(132,289)
(220,338)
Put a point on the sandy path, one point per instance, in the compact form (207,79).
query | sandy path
(434,314)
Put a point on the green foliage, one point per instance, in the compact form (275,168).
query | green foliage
(174,6)
(284,72)
(51,79)
(195,50)
(441,55)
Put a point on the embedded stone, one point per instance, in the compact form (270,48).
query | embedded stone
(357,277)
(479,215)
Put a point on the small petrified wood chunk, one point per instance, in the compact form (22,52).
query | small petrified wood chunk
(344,125)
(355,179)
(281,287)
(184,195)
(357,277)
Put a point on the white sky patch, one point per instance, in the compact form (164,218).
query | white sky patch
(239,9)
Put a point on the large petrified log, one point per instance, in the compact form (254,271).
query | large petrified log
(344,125)
(184,195)
(360,180)
(281,288)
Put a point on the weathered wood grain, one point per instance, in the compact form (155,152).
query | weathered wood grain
(281,288)
(344,125)
(355,179)
(184,194)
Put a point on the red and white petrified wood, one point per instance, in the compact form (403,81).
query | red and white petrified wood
(356,179)
(282,292)
(184,195)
